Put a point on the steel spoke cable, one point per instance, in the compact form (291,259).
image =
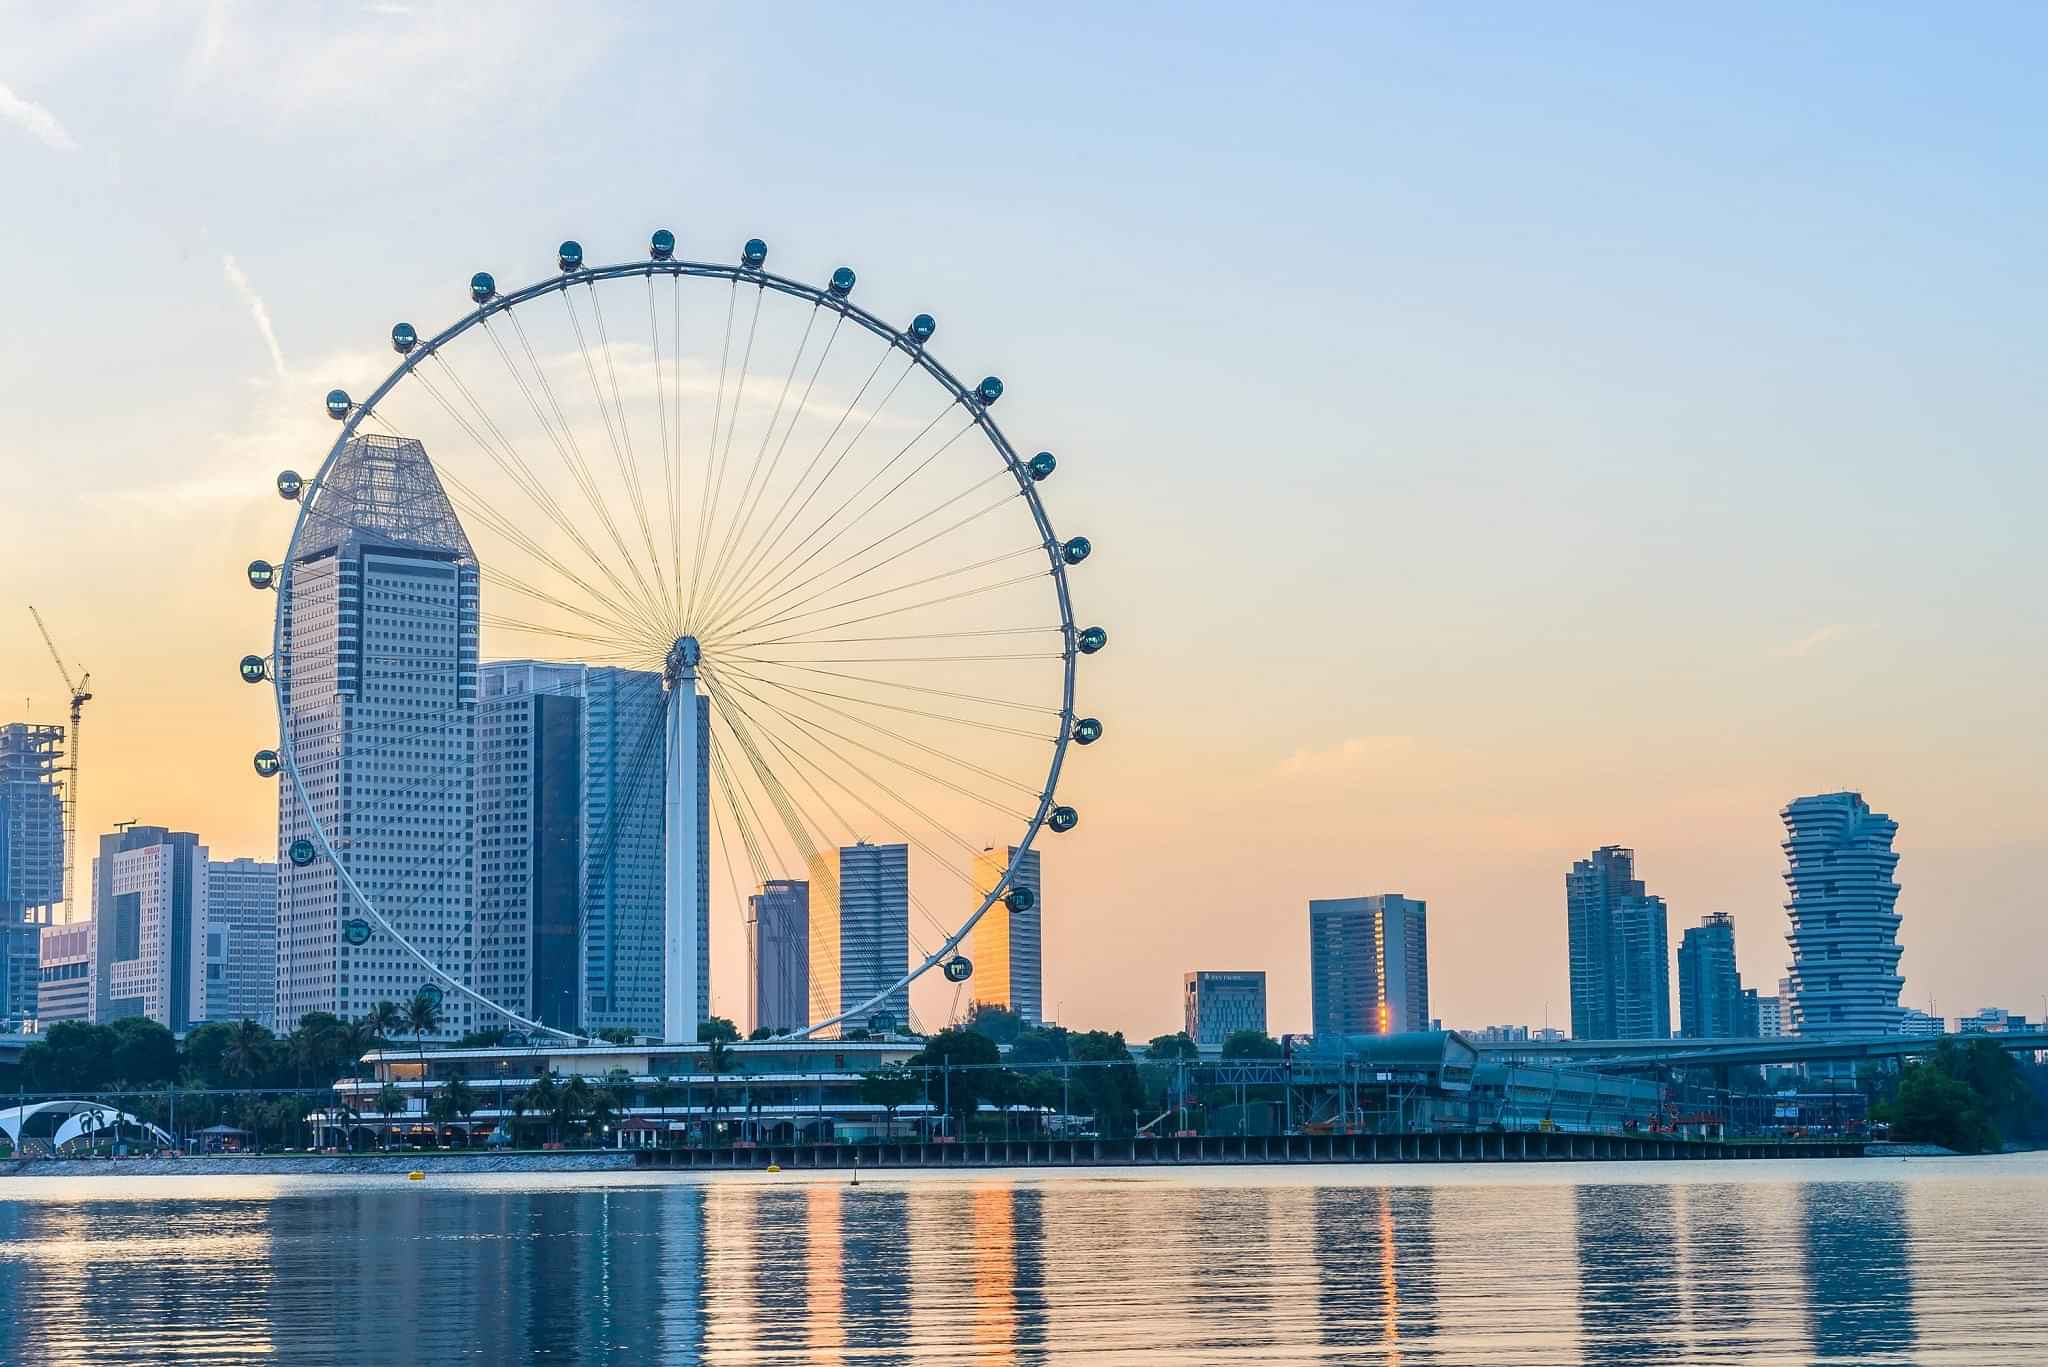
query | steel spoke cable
(812,727)
(629,462)
(747,491)
(801,756)
(515,469)
(798,818)
(781,526)
(668,476)
(741,642)
(564,441)
(778,573)
(732,423)
(716,604)
(910,688)
(467,502)
(1029,790)
(501,580)
(893,707)
(901,551)
(711,457)
(498,622)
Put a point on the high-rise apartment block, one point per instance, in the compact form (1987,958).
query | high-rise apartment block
(241,942)
(779,957)
(1620,950)
(1216,1006)
(379,666)
(1004,945)
(66,989)
(31,859)
(1844,978)
(860,930)
(1711,1001)
(149,914)
(1368,965)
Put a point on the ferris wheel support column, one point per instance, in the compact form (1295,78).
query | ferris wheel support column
(686,846)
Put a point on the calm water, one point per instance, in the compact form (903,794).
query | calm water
(1878,1261)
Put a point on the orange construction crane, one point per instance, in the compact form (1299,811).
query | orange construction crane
(81,694)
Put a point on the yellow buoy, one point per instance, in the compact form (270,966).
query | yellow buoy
(775,1167)
(415,1176)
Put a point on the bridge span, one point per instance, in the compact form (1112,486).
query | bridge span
(1621,1054)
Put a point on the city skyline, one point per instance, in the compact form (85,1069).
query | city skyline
(1642,464)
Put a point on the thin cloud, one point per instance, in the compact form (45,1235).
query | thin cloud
(1353,752)
(1813,641)
(257,310)
(37,121)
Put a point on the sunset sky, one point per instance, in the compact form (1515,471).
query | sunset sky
(1502,432)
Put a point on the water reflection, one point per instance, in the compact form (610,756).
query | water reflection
(1459,1266)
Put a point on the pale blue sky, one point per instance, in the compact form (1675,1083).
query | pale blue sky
(1504,431)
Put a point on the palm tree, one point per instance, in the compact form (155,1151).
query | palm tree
(573,1102)
(385,1020)
(423,1018)
(243,1055)
(356,1039)
(543,1098)
(458,1101)
(390,1101)
(718,1057)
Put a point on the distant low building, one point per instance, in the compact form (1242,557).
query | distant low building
(1919,1023)
(1498,1034)
(1218,1005)
(1993,1020)
(1770,1016)
(65,990)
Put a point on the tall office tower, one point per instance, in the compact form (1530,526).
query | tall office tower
(1845,926)
(686,847)
(1711,1001)
(1368,965)
(66,991)
(149,919)
(1620,950)
(622,867)
(31,858)
(1004,945)
(860,931)
(779,956)
(379,668)
(241,941)
(1218,1005)
(568,880)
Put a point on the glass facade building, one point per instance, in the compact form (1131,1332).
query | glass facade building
(779,996)
(1711,1001)
(241,941)
(860,929)
(1620,950)
(1216,1006)
(1368,965)
(31,859)
(1005,946)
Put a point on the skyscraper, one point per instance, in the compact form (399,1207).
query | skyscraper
(622,870)
(379,666)
(1004,944)
(241,941)
(1711,1000)
(1216,1006)
(1369,965)
(860,930)
(1844,978)
(149,918)
(1620,950)
(779,956)
(31,858)
(686,847)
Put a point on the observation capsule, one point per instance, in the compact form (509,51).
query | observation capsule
(842,282)
(922,327)
(1063,819)
(431,991)
(662,245)
(1087,731)
(356,930)
(338,404)
(1020,899)
(404,337)
(1041,465)
(989,390)
(1091,639)
(569,256)
(252,668)
(1076,550)
(289,485)
(482,288)
(959,969)
(302,852)
(754,253)
(262,574)
(267,763)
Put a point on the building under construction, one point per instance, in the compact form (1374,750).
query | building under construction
(31,857)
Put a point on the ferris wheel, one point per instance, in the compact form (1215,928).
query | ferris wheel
(744,554)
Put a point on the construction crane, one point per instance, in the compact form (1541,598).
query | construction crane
(81,694)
